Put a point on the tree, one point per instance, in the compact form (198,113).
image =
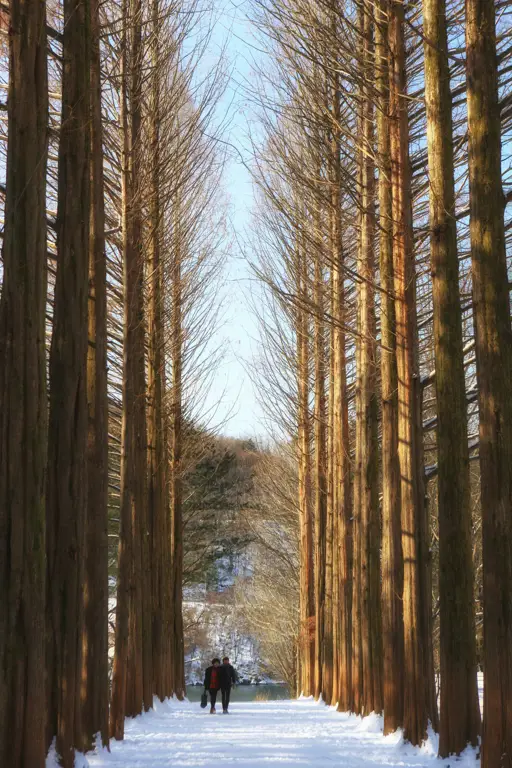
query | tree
(417,645)
(392,562)
(459,723)
(176,450)
(67,435)
(494,368)
(95,686)
(306,602)
(23,397)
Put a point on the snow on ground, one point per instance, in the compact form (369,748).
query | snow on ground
(299,733)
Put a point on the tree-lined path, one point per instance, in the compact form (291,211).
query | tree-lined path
(285,733)
(349,167)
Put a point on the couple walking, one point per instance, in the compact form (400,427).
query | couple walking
(220,677)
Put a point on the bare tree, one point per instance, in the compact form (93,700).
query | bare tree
(23,397)
(494,364)
(67,435)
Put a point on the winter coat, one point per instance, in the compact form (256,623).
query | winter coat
(228,676)
(208,678)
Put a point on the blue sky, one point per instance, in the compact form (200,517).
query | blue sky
(232,399)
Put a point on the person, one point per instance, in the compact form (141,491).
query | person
(228,677)
(212,682)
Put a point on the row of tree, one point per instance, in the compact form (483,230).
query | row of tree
(109,260)
(381,233)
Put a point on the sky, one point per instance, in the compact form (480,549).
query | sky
(231,401)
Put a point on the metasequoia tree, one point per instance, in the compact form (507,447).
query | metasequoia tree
(491,304)
(67,434)
(23,397)
(306,600)
(416,604)
(127,676)
(392,564)
(367,664)
(459,724)
(158,487)
(95,686)
(176,448)
(342,590)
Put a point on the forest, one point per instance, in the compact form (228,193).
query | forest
(377,510)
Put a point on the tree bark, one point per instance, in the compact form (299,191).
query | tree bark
(176,449)
(141,618)
(460,717)
(417,643)
(367,671)
(494,372)
(23,398)
(392,560)
(95,685)
(320,484)
(306,597)
(158,500)
(327,654)
(341,446)
(67,435)
(125,571)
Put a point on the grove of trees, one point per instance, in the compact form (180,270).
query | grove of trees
(112,251)
(382,241)
(382,525)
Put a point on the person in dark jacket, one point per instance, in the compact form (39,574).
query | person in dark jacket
(212,682)
(228,677)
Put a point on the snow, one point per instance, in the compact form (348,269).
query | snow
(299,733)
(223,637)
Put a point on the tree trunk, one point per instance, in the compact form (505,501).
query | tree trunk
(319,469)
(95,685)
(125,571)
(67,435)
(494,372)
(327,656)
(415,677)
(306,597)
(341,445)
(158,501)
(176,448)
(459,696)
(142,613)
(366,654)
(342,509)
(23,398)
(392,561)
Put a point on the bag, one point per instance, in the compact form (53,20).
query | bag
(204,700)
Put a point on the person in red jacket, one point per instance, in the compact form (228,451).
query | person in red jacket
(212,682)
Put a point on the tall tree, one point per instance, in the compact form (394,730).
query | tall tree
(459,695)
(392,564)
(158,501)
(132,684)
(320,480)
(95,686)
(343,506)
(176,450)
(67,435)
(370,515)
(366,644)
(494,371)
(23,398)
(125,546)
(418,685)
(306,575)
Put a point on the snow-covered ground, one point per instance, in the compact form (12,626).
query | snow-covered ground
(260,734)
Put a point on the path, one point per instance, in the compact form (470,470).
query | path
(261,735)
